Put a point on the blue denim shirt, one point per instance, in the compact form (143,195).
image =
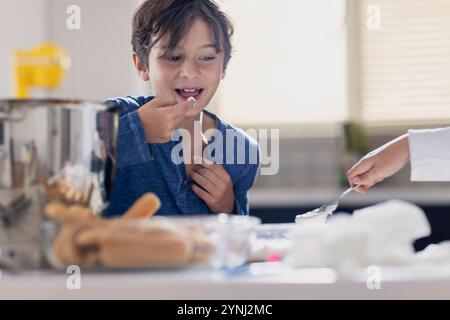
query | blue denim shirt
(144,167)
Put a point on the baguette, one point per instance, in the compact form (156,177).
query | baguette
(72,214)
(144,207)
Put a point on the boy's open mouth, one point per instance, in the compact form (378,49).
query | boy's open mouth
(186,93)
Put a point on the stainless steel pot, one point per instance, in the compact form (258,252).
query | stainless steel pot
(50,149)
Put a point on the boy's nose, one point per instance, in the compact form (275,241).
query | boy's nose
(189,70)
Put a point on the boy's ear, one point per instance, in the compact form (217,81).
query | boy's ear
(140,68)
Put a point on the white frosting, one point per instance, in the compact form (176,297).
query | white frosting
(192,100)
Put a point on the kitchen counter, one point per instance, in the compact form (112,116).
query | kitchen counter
(257,281)
(288,197)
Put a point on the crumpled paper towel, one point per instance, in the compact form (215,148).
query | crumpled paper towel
(435,253)
(382,234)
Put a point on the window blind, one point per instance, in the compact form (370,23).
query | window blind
(405,64)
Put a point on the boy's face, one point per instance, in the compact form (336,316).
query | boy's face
(194,68)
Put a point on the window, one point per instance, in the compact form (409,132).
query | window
(289,64)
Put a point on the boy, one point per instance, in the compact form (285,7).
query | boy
(183,48)
(428,151)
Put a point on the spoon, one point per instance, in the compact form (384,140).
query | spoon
(321,213)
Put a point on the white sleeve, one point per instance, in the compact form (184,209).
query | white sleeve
(430,154)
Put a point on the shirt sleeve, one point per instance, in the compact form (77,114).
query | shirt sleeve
(430,154)
(132,145)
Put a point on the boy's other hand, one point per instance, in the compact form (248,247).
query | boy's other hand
(217,186)
(162,115)
(379,164)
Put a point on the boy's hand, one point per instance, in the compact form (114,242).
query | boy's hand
(217,186)
(379,164)
(161,116)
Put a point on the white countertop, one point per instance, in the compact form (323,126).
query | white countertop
(288,197)
(255,282)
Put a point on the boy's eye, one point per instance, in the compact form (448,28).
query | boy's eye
(207,58)
(173,58)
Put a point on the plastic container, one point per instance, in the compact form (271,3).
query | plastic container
(273,241)
(231,236)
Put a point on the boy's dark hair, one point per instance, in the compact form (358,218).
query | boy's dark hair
(155,18)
